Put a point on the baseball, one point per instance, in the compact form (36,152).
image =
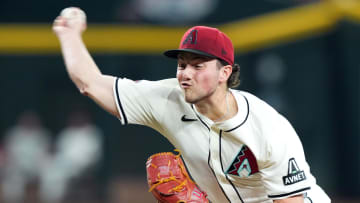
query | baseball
(73,14)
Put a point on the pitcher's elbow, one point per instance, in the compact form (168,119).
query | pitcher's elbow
(84,90)
(82,86)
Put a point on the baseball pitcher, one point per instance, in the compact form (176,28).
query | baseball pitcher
(236,147)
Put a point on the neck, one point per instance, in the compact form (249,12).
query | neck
(218,107)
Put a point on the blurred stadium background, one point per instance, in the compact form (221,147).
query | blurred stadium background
(301,56)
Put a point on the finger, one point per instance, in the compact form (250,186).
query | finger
(59,21)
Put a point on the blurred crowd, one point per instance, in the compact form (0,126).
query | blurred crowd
(38,166)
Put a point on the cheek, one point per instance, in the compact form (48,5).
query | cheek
(178,75)
(208,81)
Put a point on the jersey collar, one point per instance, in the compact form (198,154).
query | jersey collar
(232,123)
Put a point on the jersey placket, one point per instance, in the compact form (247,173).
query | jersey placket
(215,164)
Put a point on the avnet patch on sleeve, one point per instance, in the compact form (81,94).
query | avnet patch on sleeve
(294,175)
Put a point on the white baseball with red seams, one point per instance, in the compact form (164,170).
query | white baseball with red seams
(73,14)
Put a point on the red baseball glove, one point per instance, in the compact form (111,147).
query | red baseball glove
(169,181)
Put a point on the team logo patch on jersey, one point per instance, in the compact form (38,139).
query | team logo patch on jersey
(244,164)
(295,175)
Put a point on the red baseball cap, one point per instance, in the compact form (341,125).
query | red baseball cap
(206,41)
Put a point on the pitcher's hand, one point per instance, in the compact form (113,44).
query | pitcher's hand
(71,20)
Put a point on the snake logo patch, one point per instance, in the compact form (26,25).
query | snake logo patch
(244,163)
(295,175)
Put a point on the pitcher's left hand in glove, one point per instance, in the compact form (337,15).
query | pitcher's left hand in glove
(169,181)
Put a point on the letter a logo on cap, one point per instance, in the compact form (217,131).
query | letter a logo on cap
(191,38)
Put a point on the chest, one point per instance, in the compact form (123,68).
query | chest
(238,153)
(221,161)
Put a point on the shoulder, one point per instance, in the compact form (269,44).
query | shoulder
(165,87)
(170,82)
(256,105)
(266,119)
(146,86)
(274,126)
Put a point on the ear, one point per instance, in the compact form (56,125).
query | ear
(225,73)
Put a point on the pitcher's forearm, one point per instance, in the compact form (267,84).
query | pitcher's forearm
(79,64)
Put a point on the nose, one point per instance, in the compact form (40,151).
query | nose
(187,72)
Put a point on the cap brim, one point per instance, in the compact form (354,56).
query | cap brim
(175,52)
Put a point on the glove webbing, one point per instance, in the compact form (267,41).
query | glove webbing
(171,177)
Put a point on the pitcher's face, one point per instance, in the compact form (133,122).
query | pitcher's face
(198,76)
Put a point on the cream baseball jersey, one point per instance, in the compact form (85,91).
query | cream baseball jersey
(256,156)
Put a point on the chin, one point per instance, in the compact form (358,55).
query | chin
(191,97)
(191,100)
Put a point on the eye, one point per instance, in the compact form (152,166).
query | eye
(181,66)
(199,65)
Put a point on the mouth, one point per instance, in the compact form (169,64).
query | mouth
(185,85)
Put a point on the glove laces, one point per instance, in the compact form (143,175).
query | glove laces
(171,177)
